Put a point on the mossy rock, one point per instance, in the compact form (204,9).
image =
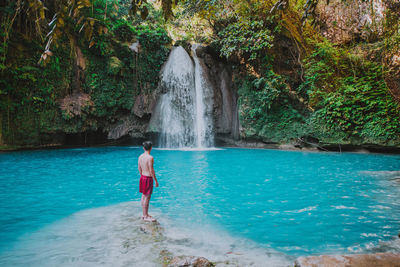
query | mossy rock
(115,65)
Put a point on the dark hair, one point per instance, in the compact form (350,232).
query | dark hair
(147,145)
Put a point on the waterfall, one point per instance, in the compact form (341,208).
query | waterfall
(204,105)
(183,114)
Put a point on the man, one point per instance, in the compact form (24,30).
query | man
(147,174)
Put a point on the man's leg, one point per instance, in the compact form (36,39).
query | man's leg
(142,203)
(145,205)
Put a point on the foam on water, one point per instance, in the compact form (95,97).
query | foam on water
(116,236)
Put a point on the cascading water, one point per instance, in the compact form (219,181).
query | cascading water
(204,104)
(184,110)
(177,104)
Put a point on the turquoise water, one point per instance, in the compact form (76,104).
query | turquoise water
(292,203)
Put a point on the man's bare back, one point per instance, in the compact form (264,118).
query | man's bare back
(145,164)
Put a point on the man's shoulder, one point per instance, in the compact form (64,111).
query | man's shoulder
(146,156)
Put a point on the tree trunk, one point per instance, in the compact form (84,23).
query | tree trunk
(1,129)
(78,67)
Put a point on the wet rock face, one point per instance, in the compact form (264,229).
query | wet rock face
(72,105)
(144,104)
(225,113)
(127,126)
(190,261)
(135,124)
(361,260)
(343,21)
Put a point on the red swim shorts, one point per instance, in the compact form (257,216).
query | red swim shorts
(146,185)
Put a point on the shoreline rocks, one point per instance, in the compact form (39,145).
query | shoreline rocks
(166,257)
(223,141)
(356,260)
(121,131)
(190,261)
(155,231)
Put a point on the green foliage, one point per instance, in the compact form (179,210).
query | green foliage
(113,89)
(124,30)
(267,111)
(30,93)
(245,37)
(350,96)
(28,98)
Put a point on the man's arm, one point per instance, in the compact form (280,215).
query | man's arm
(153,173)
(139,167)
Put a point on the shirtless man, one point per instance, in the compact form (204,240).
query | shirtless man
(147,174)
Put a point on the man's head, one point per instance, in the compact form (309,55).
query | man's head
(147,145)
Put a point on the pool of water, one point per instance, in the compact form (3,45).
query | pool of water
(230,202)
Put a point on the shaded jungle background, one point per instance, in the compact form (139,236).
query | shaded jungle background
(316,71)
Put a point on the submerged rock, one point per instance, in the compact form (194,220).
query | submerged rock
(153,232)
(358,260)
(190,261)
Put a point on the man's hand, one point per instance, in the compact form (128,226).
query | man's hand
(156,184)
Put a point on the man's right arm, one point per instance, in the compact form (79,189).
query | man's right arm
(139,167)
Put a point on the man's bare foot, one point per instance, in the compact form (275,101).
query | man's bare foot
(149,219)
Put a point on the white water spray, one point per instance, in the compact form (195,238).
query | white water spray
(204,125)
(184,111)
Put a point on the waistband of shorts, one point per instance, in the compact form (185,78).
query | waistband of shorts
(144,176)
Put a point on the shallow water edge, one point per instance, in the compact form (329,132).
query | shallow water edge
(117,236)
(231,143)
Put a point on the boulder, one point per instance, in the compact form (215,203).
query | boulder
(356,260)
(190,261)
